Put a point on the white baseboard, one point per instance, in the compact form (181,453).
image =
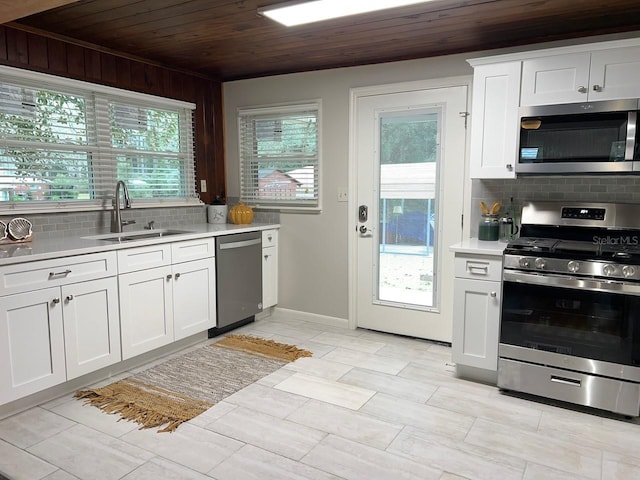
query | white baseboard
(310,317)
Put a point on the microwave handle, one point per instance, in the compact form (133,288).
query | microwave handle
(632,125)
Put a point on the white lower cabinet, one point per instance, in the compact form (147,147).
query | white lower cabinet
(66,317)
(56,334)
(146,310)
(31,343)
(269,268)
(194,297)
(91,325)
(163,302)
(476,312)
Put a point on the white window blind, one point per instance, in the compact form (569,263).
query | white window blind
(279,156)
(67,146)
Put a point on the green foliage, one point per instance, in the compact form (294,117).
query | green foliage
(410,141)
(51,118)
(61,165)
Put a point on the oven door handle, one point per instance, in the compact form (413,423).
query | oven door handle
(567,281)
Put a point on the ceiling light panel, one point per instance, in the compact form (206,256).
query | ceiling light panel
(319,10)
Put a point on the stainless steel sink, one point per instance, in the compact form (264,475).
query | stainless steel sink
(138,235)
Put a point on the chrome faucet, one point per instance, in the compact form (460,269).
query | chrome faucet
(116,220)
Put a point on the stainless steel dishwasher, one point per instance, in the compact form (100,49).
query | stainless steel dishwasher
(238,280)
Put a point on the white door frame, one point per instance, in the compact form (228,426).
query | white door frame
(354,94)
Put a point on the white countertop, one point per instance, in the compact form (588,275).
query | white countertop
(45,249)
(479,247)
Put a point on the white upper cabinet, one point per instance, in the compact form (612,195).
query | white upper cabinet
(615,74)
(580,77)
(494,120)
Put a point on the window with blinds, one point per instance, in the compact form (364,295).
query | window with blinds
(279,156)
(66,147)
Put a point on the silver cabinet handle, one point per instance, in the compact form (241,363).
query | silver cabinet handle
(509,166)
(59,274)
(478,269)
(177,276)
(493,294)
(69,298)
(266,257)
(55,301)
(597,88)
(582,89)
(270,238)
(169,277)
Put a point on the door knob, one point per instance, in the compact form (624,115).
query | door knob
(363,229)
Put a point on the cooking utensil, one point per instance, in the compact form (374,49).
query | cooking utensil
(495,208)
(483,208)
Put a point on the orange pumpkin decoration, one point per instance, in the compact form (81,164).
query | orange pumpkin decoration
(241,214)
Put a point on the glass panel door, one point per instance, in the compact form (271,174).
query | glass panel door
(409,151)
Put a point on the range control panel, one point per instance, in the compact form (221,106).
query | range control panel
(583,213)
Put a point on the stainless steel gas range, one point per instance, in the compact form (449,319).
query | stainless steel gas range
(570,320)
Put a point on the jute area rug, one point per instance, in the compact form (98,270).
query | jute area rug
(181,388)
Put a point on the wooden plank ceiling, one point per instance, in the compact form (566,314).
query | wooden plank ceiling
(228,40)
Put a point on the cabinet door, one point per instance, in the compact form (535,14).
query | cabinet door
(91,326)
(194,297)
(494,124)
(31,343)
(615,74)
(555,79)
(146,310)
(476,319)
(269,276)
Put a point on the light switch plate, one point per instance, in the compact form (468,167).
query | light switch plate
(343,195)
(203,186)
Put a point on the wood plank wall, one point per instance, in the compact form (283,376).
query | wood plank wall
(33,51)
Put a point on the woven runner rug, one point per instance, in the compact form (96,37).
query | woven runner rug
(183,387)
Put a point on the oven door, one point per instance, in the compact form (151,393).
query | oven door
(588,324)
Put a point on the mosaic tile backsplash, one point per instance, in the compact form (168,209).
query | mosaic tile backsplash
(620,189)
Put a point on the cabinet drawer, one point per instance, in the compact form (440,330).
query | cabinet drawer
(29,276)
(269,238)
(141,258)
(478,266)
(192,250)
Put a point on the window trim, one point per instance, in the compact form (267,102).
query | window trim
(315,104)
(44,80)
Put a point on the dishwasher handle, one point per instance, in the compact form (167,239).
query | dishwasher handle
(241,244)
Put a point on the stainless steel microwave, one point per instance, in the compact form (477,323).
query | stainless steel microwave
(580,138)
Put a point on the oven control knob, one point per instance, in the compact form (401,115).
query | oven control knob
(524,262)
(573,266)
(608,270)
(628,271)
(540,263)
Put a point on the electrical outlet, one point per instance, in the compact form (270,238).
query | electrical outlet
(203,186)
(343,195)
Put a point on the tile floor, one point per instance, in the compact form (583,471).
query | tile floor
(366,406)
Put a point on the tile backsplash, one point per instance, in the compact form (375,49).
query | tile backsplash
(621,189)
(73,224)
